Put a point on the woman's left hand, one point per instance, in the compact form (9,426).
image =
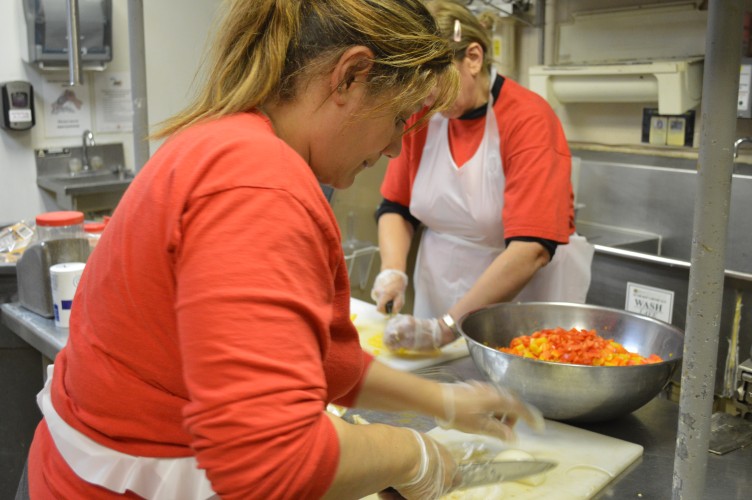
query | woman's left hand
(480,408)
(413,334)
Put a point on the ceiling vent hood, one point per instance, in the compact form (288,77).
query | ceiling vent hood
(643,54)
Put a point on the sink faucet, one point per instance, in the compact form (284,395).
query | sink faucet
(88,140)
(738,143)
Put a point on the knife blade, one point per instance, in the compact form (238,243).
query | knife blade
(478,474)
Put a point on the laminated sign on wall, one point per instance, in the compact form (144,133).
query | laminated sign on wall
(648,301)
(112,102)
(67,110)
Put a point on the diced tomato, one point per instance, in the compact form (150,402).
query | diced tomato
(582,347)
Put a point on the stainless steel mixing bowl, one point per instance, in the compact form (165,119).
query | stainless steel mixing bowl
(569,392)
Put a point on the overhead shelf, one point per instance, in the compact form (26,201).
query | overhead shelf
(675,85)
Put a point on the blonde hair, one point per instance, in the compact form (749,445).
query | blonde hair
(266,50)
(471,29)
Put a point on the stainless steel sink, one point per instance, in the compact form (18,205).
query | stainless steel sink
(620,237)
(91,189)
(81,183)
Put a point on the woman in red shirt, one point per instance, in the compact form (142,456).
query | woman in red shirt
(489,178)
(212,327)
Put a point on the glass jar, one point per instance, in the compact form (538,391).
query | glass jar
(93,232)
(60,225)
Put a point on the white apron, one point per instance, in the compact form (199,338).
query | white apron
(461,209)
(151,478)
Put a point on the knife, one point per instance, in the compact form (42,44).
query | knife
(478,474)
(388,307)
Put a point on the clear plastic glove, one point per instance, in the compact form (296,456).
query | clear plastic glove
(389,286)
(436,474)
(480,408)
(408,332)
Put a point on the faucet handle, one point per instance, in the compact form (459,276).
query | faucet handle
(738,143)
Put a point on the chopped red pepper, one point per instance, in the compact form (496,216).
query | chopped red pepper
(580,347)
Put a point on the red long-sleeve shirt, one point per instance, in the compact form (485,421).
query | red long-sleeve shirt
(212,319)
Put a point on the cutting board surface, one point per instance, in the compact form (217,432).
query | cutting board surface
(587,462)
(370,324)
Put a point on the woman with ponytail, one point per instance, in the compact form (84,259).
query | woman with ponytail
(211,327)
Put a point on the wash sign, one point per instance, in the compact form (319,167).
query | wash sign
(649,301)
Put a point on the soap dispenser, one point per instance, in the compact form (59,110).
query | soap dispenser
(17,103)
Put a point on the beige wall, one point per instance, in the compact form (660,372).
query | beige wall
(361,199)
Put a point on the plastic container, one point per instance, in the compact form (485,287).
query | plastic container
(14,239)
(93,232)
(60,225)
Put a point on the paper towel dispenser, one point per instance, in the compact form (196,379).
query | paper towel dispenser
(46,33)
(675,85)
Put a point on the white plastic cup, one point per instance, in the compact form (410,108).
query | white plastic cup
(64,278)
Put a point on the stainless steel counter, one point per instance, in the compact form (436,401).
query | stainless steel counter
(654,426)
(38,331)
(7,269)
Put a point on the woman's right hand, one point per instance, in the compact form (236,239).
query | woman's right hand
(435,475)
(389,286)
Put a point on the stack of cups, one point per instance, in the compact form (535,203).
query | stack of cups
(64,278)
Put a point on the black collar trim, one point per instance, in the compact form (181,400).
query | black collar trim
(481,110)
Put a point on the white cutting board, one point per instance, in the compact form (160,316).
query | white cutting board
(587,462)
(370,324)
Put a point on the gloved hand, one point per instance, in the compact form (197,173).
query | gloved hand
(480,408)
(389,286)
(436,474)
(408,332)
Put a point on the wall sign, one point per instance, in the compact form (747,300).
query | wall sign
(649,301)
(112,102)
(67,110)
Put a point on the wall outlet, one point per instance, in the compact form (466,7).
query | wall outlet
(658,130)
(668,130)
(676,131)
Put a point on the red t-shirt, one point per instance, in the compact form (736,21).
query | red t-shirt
(212,320)
(538,198)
